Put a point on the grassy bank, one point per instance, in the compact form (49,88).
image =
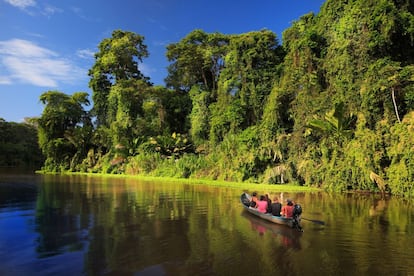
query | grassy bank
(217,183)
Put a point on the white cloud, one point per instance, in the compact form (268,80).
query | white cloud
(27,62)
(24,49)
(81,14)
(49,10)
(5,80)
(85,53)
(22,4)
(32,8)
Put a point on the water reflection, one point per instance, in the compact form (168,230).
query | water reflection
(80,225)
(288,237)
(378,207)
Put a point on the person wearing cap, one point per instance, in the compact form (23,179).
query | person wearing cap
(287,210)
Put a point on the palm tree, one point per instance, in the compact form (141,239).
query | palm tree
(336,124)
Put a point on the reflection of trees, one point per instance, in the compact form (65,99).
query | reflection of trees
(126,226)
(371,241)
(116,217)
(59,229)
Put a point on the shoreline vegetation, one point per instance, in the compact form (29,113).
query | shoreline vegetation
(331,107)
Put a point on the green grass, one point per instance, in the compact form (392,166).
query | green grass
(217,183)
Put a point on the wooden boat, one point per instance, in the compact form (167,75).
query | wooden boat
(245,199)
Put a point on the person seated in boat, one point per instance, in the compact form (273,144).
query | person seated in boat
(269,203)
(287,210)
(253,200)
(276,207)
(262,204)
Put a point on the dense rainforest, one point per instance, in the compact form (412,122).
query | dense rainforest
(331,106)
(19,146)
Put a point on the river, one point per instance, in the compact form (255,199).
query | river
(82,225)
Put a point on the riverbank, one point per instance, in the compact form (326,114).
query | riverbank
(220,183)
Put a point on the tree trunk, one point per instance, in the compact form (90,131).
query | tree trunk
(395,104)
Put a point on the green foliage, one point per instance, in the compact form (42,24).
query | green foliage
(64,129)
(251,67)
(19,146)
(189,164)
(237,157)
(401,152)
(116,60)
(125,107)
(184,167)
(249,105)
(388,19)
(143,163)
(199,117)
(174,107)
(169,146)
(386,91)
(336,125)
(226,117)
(304,79)
(196,60)
(276,115)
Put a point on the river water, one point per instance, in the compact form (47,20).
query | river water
(79,225)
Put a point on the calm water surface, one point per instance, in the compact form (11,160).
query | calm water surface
(78,225)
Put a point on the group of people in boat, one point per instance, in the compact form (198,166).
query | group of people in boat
(264,205)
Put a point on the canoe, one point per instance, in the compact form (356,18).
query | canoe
(290,222)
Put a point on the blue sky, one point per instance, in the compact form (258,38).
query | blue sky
(49,45)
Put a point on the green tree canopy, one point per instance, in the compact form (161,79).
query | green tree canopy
(64,128)
(117,60)
(196,60)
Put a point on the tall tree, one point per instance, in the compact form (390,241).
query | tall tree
(252,65)
(138,111)
(125,102)
(196,65)
(62,129)
(117,60)
(200,115)
(196,60)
